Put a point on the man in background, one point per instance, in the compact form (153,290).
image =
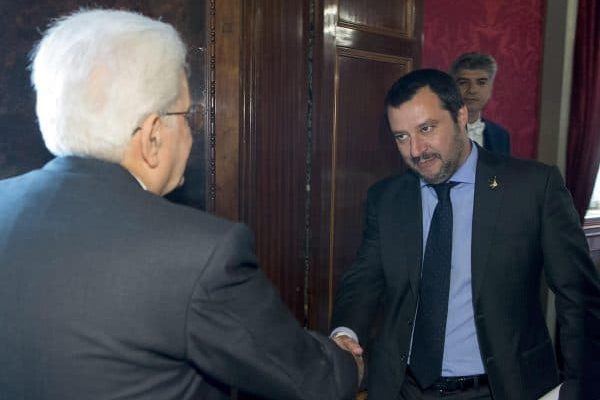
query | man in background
(109,291)
(474,74)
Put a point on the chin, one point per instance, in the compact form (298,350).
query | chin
(473,111)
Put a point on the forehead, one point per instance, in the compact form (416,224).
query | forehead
(472,74)
(425,105)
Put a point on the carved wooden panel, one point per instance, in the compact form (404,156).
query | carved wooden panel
(228,123)
(363,150)
(311,135)
(393,18)
(273,143)
(363,49)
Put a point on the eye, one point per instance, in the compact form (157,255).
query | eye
(400,137)
(427,128)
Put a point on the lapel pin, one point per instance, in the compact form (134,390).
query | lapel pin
(494,183)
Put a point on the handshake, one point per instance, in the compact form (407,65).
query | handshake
(347,343)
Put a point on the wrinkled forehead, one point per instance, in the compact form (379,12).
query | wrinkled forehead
(425,105)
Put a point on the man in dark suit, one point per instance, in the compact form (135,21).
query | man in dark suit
(109,291)
(461,312)
(474,74)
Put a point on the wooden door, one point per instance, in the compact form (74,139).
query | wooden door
(302,84)
(363,47)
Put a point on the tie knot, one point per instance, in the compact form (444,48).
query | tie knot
(443,190)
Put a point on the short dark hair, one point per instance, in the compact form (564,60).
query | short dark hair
(440,83)
(474,60)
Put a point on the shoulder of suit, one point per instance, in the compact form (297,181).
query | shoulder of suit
(393,183)
(198,233)
(186,218)
(518,166)
(494,126)
(391,180)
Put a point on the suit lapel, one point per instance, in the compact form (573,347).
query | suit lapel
(487,137)
(406,227)
(405,224)
(489,191)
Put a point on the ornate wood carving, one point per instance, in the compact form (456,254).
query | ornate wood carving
(389,18)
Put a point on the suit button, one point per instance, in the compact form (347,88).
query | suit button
(410,322)
(403,357)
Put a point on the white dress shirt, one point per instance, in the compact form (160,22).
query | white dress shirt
(475,131)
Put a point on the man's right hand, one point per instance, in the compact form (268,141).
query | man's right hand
(352,346)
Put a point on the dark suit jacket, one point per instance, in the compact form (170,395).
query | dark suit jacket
(523,227)
(495,138)
(111,292)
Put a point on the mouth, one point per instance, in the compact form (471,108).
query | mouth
(425,161)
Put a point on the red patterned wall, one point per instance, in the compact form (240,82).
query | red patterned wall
(512,32)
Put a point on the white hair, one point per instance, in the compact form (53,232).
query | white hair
(98,74)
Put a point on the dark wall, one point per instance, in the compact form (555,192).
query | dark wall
(22,22)
(21,146)
(512,31)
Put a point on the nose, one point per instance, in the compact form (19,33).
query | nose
(417,146)
(471,89)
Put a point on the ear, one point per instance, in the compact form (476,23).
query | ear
(150,138)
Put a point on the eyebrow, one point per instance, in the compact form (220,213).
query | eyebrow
(462,79)
(419,126)
(428,122)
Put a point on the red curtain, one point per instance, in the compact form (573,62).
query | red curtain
(583,149)
(512,31)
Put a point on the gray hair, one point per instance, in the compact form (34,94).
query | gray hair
(474,60)
(97,75)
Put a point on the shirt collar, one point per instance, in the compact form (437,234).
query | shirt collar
(475,124)
(138,180)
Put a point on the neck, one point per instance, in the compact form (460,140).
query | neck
(474,117)
(468,147)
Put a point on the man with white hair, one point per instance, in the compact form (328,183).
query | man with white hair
(109,291)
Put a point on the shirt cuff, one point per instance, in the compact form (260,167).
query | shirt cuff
(344,331)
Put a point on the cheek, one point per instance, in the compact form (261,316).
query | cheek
(189,143)
(185,142)
(446,147)
(399,146)
(404,150)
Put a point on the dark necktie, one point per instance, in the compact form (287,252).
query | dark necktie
(430,325)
